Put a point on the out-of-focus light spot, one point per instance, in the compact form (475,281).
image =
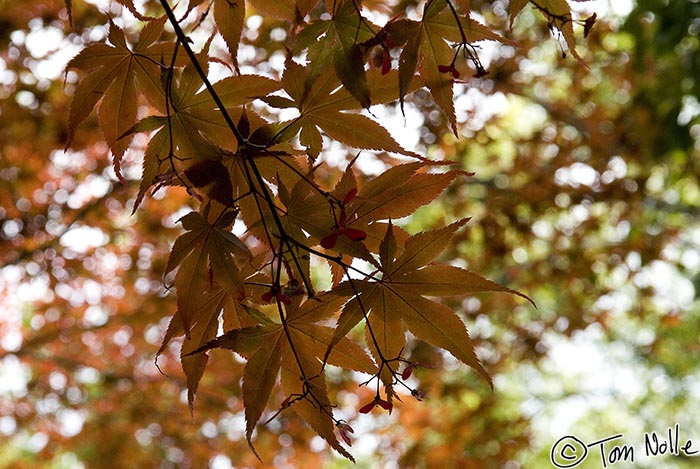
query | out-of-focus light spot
(84,238)
(71,422)
(8,425)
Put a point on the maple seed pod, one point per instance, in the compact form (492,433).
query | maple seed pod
(345,430)
(328,242)
(284,299)
(267,296)
(588,25)
(386,62)
(367,408)
(354,234)
(386,405)
(350,196)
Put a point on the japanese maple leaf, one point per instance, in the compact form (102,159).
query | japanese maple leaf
(196,130)
(321,104)
(294,349)
(211,305)
(230,16)
(429,48)
(116,75)
(202,247)
(397,301)
(558,14)
(335,43)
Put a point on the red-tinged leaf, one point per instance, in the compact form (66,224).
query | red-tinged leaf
(205,320)
(386,335)
(447,280)
(440,326)
(433,52)
(321,104)
(117,114)
(213,177)
(236,315)
(114,74)
(351,315)
(205,246)
(259,378)
(194,370)
(397,193)
(408,61)
(191,281)
(230,16)
(183,246)
(336,41)
(237,90)
(284,299)
(316,411)
(465,6)
(422,248)
(357,131)
(350,68)
(153,166)
(311,138)
(224,268)
(345,353)
(291,10)
(151,32)
(88,92)
(174,329)
(387,248)
(383,87)
(243,341)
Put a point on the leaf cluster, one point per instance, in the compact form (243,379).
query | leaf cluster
(268,210)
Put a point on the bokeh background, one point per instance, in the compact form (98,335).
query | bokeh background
(586,197)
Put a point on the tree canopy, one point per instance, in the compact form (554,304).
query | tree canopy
(209,205)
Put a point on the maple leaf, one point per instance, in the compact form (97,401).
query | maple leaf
(558,15)
(397,301)
(293,11)
(202,247)
(321,104)
(211,305)
(336,42)
(230,16)
(432,43)
(294,348)
(116,75)
(195,136)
